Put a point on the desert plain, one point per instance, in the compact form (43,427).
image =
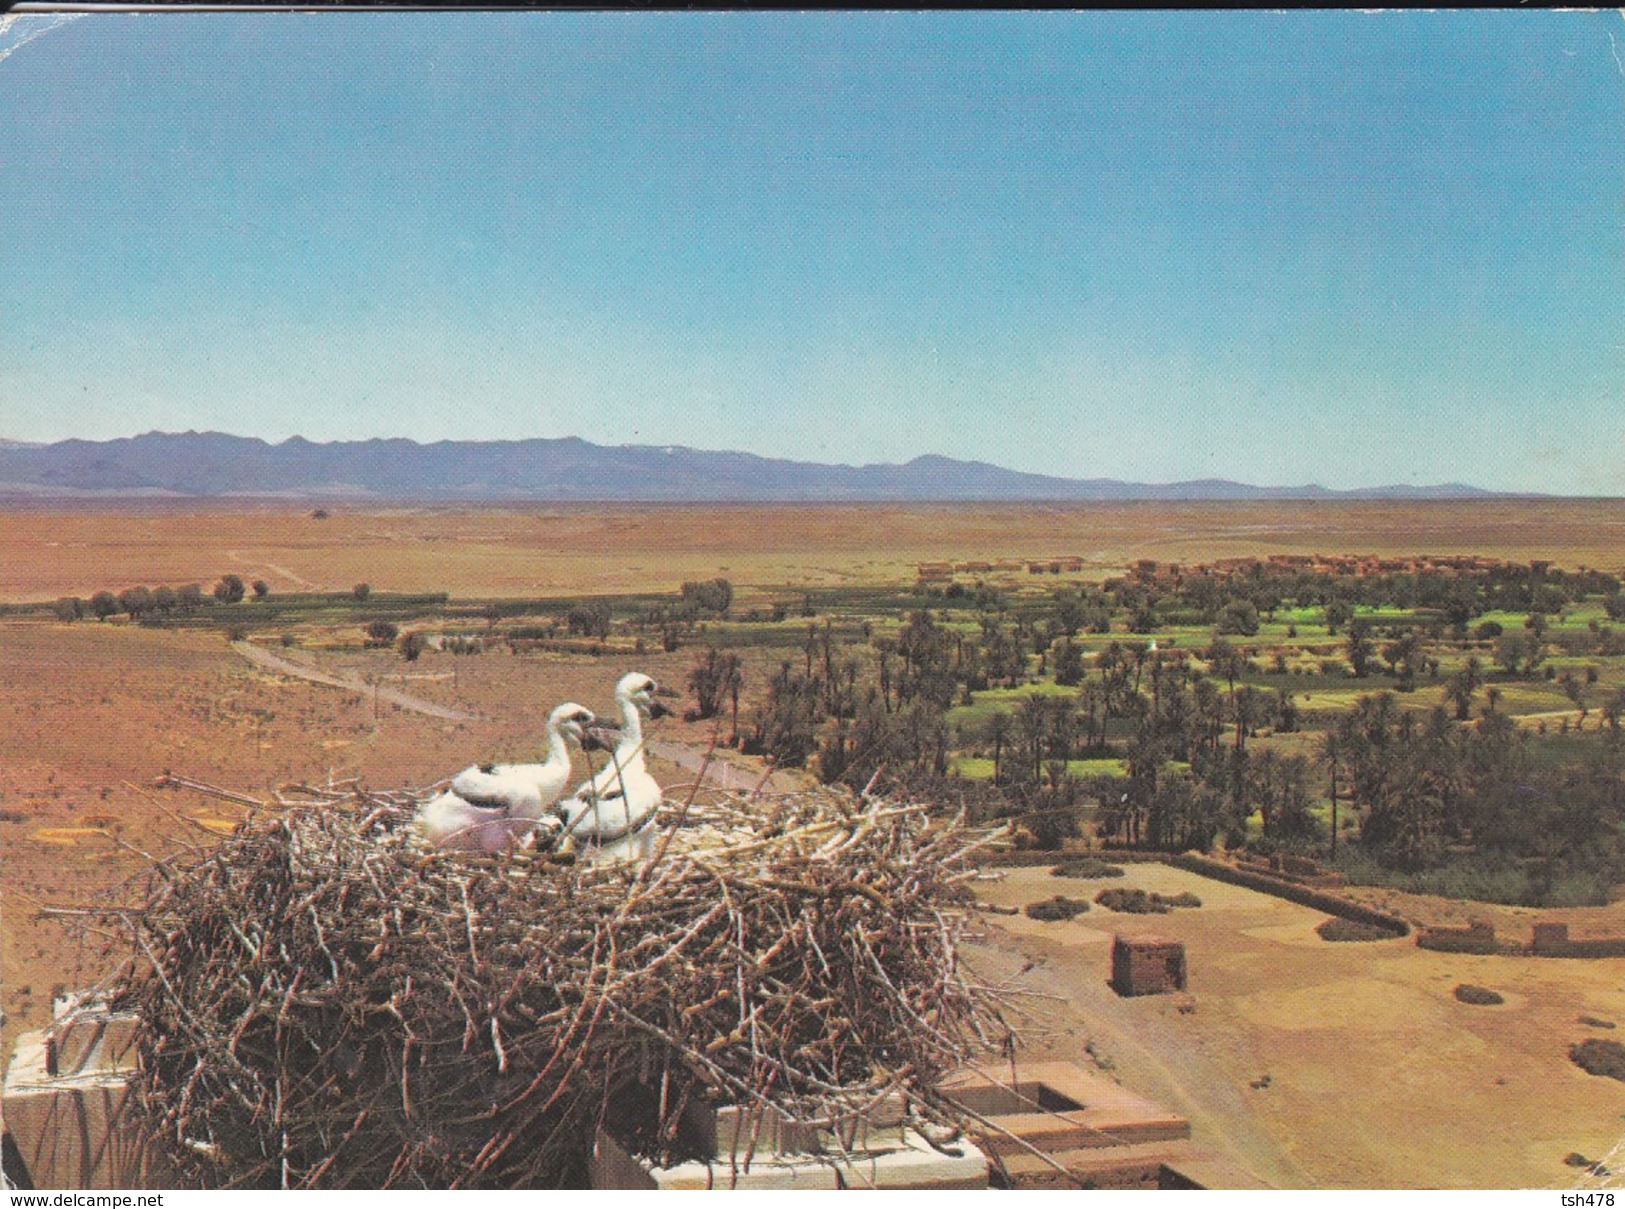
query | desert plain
(1376,1075)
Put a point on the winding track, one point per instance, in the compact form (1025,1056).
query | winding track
(355,684)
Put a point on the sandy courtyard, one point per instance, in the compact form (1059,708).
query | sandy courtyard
(1377,1076)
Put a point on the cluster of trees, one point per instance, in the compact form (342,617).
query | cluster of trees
(712,595)
(154,605)
(858,711)
(676,622)
(716,680)
(1427,790)
(230,589)
(1452,596)
(589,620)
(1183,733)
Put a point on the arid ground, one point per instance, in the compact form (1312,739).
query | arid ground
(586,549)
(1378,1076)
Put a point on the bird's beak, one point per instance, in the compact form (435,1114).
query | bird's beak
(663,691)
(656,710)
(602,737)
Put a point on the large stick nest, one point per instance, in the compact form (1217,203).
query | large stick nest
(327,1004)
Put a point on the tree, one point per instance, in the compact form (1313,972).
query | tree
(1249,709)
(361,591)
(135,601)
(1336,615)
(590,620)
(1279,786)
(1574,690)
(1403,655)
(229,589)
(104,604)
(734,677)
(1461,686)
(1032,725)
(713,681)
(1239,617)
(785,723)
(1286,712)
(413,644)
(1068,617)
(1225,661)
(713,595)
(1518,652)
(381,633)
(1360,646)
(998,734)
(1336,740)
(69,608)
(1054,814)
(925,650)
(1067,660)
(261,589)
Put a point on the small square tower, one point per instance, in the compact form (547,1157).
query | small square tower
(1147,965)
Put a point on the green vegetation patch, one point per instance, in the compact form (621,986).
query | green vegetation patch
(1341,931)
(1483,879)
(1086,866)
(1109,766)
(1479,996)
(1132,901)
(1058,908)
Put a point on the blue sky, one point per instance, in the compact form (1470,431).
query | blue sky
(1307,246)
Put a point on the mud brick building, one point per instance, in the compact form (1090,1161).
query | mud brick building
(1147,965)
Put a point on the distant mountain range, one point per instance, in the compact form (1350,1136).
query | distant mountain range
(212,464)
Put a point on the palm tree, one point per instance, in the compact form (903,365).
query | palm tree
(1459,689)
(1249,707)
(733,677)
(1334,745)
(998,733)
(1032,719)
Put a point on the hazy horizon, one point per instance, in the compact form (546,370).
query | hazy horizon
(1352,249)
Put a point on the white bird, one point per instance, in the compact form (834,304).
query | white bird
(613,813)
(487,807)
(528,789)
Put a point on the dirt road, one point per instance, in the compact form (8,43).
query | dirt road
(718,772)
(355,684)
